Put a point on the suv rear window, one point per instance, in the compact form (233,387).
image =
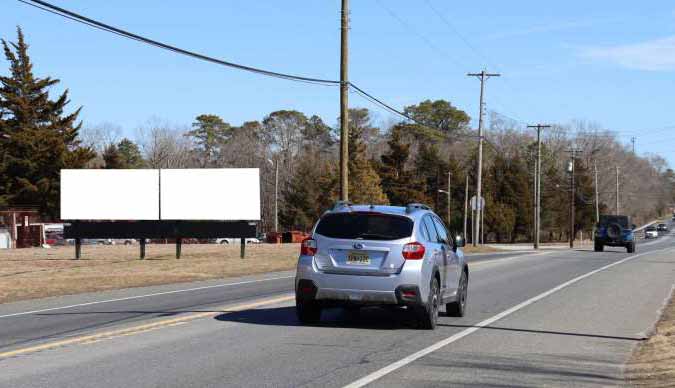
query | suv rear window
(621,220)
(365,226)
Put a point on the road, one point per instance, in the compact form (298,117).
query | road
(563,317)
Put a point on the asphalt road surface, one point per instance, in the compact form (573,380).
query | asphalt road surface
(555,318)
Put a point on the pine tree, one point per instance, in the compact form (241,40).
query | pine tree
(112,158)
(432,169)
(130,154)
(210,133)
(304,199)
(42,138)
(400,185)
(364,182)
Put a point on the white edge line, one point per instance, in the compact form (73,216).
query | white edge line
(478,263)
(438,345)
(144,296)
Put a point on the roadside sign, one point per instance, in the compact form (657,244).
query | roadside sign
(475,205)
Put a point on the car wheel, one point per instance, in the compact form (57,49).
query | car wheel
(224,242)
(458,307)
(428,314)
(127,243)
(631,248)
(308,312)
(599,247)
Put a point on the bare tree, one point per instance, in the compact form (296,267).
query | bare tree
(164,146)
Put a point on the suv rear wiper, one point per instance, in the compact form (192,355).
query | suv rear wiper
(376,236)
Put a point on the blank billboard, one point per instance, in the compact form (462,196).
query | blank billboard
(210,194)
(109,195)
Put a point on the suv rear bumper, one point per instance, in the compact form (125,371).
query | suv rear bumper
(398,289)
(614,243)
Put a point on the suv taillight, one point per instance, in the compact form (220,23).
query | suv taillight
(308,247)
(413,251)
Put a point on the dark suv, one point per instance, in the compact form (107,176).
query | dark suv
(614,231)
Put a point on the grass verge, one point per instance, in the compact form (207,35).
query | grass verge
(37,272)
(653,362)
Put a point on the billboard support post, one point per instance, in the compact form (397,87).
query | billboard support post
(78,248)
(142,241)
(242,242)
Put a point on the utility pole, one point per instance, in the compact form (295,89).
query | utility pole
(573,152)
(597,199)
(537,188)
(632,140)
(276,194)
(344,103)
(276,197)
(617,190)
(466,204)
(483,75)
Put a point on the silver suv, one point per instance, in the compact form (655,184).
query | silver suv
(381,255)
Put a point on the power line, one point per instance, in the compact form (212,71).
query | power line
(426,40)
(452,27)
(129,35)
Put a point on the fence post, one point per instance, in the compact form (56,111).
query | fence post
(142,241)
(78,248)
(179,243)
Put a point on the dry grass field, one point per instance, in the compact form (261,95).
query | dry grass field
(41,272)
(653,363)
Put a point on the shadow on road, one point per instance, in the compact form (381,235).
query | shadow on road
(550,332)
(371,318)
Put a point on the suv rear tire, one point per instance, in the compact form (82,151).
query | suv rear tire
(630,248)
(599,247)
(428,314)
(307,312)
(458,307)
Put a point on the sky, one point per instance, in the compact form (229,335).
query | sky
(608,62)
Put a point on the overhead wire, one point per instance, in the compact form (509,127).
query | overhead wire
(129,35)
(423,37)
(480,54)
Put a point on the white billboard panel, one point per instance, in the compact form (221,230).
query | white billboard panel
(210,194)
(109,194)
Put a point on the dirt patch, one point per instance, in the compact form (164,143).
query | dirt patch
(653,362)
(37,272)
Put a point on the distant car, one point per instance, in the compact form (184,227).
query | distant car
(123,241)
(97,241)
(360,255)
(614,231)
(662,227)
(227,241)
(651,232)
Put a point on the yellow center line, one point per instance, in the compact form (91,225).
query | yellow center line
(145,327)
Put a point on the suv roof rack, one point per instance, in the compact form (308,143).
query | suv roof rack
(341,204)
(411,207)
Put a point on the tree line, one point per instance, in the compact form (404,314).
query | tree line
(389,163)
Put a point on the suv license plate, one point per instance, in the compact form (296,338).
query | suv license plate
(358,258)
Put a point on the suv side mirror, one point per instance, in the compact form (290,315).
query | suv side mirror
(633,226)
(458,242)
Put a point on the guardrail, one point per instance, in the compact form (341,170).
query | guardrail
(640,231)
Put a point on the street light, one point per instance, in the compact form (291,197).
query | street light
(276,195)
(448,194)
